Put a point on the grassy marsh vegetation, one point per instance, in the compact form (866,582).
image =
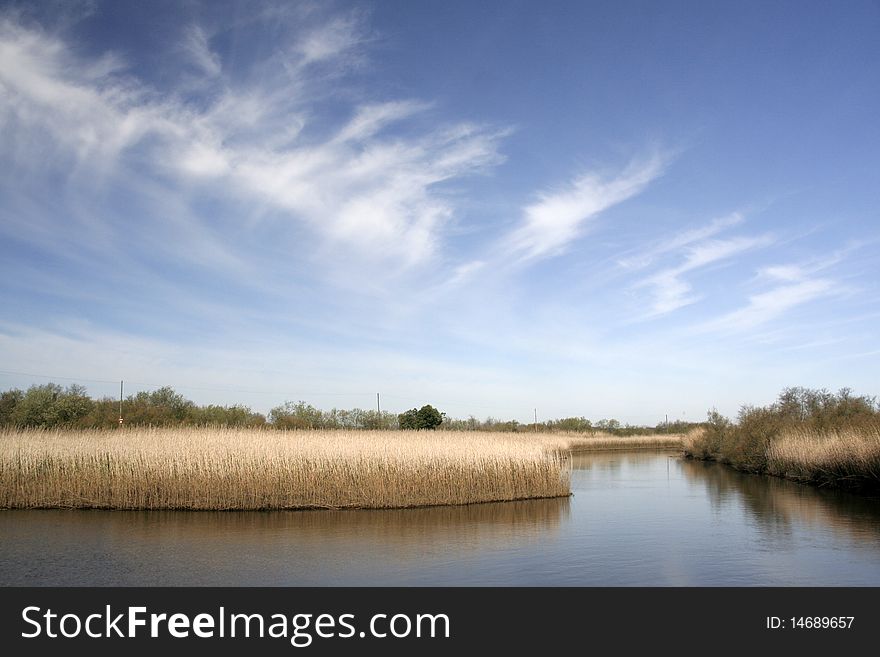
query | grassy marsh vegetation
(847,458)
(248,469)
(605,441)
(811,436)
(214,469)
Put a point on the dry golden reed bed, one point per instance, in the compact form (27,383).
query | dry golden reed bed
(246,469)
(253,469)
(604,441)
(849,457)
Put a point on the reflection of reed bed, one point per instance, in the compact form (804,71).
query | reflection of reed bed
(374,547)
(777,504)
(516,517)
(841,458)
(494,522)
(613,460)
(222,469)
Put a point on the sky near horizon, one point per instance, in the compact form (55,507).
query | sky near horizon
(600,209)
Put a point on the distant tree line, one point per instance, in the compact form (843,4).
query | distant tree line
(300,415)
(566,424)
(51,405)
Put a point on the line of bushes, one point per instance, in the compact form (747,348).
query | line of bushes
(568,425)
(302,416)
(51,405)
(804,422)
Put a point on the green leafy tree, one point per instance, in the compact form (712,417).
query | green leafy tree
(104,414)
(408,420)
(9,399)
(608,425)
(578,424)
(298,415)
(37,406)
(162,407)
(227,416)
(377,420)
(73,404)
(174,403)
(49,405)
(428,418)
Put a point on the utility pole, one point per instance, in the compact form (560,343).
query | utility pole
(120,402)
(667,423)
(536,420)
(378,410)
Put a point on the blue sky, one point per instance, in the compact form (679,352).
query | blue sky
(617,209)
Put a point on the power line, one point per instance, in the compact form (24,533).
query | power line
(447,402)
(63,378)
(188,387)
(254,392)
(287,394)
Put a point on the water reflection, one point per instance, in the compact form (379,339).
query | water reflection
(644,518)
(636,518)
(52,547)
(776,505)
(604,461)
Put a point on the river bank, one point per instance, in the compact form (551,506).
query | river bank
(845,458)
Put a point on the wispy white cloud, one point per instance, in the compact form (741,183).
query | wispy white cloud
(54,103)
(669,286)
(767,306)
(359,189)
(339,35)
(377,197)
(711,251)
(370,119)
(559,217)
(796,272)
(670,292)
(461,275)
(196,45)
(794,284)
(646,256)
(784,273)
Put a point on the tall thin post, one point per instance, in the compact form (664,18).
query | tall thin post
(121,383)
(667,423)
(536,420)
(378,410)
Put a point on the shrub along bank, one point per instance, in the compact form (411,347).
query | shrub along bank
(812,436)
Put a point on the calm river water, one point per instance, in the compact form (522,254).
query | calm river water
(636,518)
